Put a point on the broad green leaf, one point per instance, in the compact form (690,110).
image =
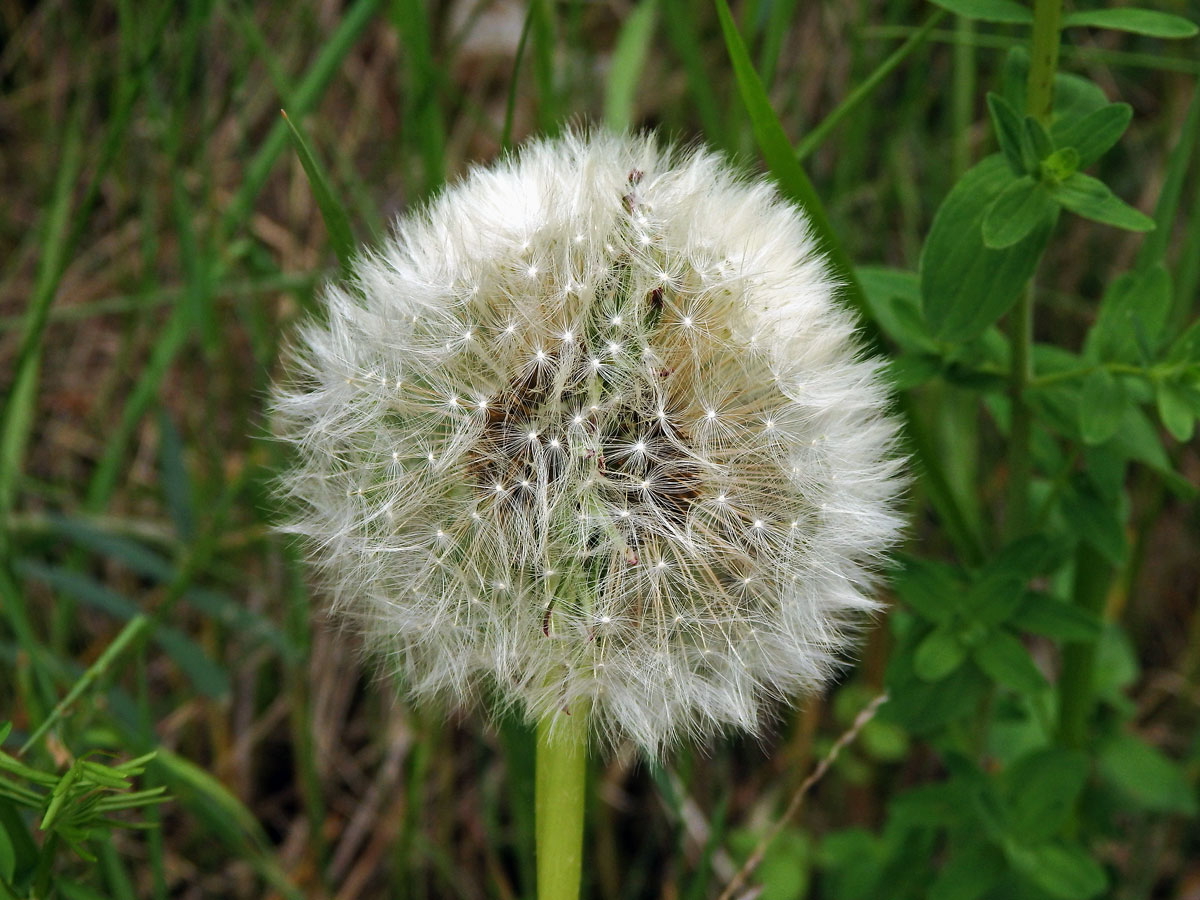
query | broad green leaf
(1027,557)
(1041,790)
(337,223)
(1132,317)
(939,654)
(970,872)
(1092,199)
(1039,140)
(993,598)
(965,286)
(627,63)
(1152,780)
(912,370)
(1010,135)
(924,707)
(894,299)
(1095,521)
(1007,12)
(1149,22)
(1095,134)
(1175,408)
(1101,407)
(1065,871)
(1021,207)
(1006,661)
(931,588)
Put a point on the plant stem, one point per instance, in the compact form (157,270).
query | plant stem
(1092,577)
(1039,101)
(561,780)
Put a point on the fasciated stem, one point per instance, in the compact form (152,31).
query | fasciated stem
(560,793)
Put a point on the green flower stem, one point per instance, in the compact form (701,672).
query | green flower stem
(560,791)
(1039,101)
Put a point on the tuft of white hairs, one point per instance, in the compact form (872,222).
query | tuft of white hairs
(592,426)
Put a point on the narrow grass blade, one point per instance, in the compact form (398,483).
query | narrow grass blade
(112,652)
(628,61)
(681,29)
(425,77)
(1154,246)
(510,103)
(337,223)
(305,97)
(18,411)
(780,158)
(817,136)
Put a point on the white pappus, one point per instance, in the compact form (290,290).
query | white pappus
(593,425)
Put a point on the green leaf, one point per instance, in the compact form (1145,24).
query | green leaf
(1059,165)
(1133,315)
(1039,140)
(1101,407)
(1187,346)
(1007,12)
(969,872)
(894,299)
(337,223)
(1095,520)
(8,856)
(1010,135)
(1005,660)
(1091,198)
(1138,21)
(628,61)
(932,589)
(1096,133)
(993,598)
(1041,790)
(1148,777)
(781,158)
(1175,408)
(965,286)
(1021,207)
(939,654)
(1064,871)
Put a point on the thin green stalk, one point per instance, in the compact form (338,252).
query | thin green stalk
(561,783)
(964,93)
(1076,695)
(1020,463)
(1047,25)
(817,136)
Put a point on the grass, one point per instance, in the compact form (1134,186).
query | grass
(159,239)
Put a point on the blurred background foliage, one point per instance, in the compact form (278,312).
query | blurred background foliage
(159,238)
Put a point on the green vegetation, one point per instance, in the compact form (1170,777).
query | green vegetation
(1011,196)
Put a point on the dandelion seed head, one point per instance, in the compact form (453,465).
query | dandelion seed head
(718,471)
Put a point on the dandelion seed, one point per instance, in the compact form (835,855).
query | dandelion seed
(659,445)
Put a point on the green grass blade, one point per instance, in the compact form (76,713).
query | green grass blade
(306,95)
(425,79)
(628,61)
(337,223)
(817,136)
(112,652)
(510,103)
(1154,246)
(781,159)
(680,24)
(18,411)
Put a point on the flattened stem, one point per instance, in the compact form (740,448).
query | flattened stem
(560,792)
